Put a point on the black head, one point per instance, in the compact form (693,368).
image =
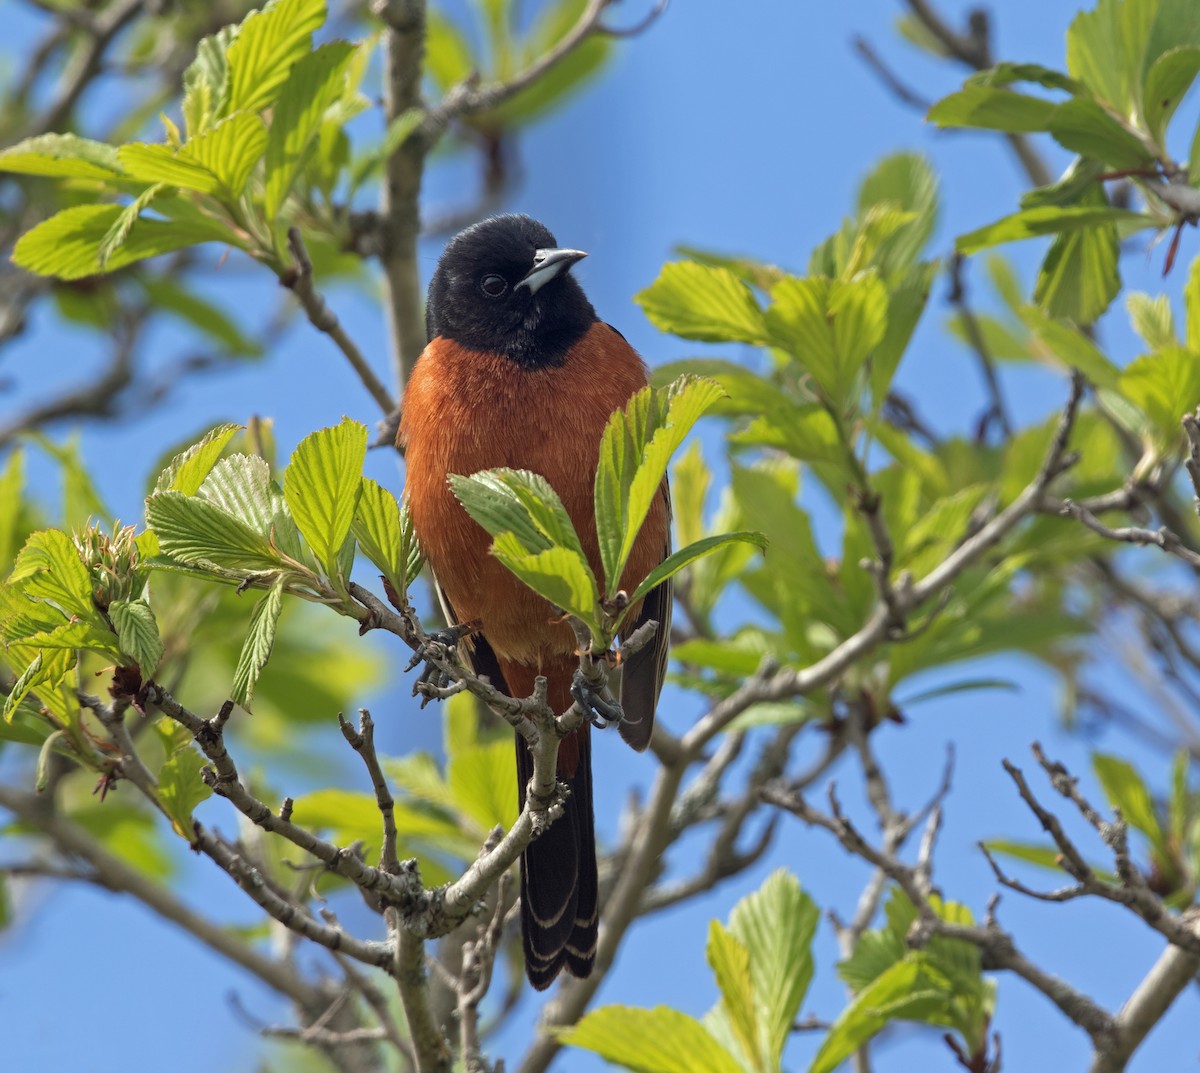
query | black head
(504,286)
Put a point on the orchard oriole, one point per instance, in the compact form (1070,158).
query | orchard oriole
(519,372)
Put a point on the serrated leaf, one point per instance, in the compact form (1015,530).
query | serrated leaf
(684,557)
(487,497)
(559,574)
(905,989)
(256,649)
(1051,220)
(67,245)
(1085,127)
(12,483)
(322,486)
(51,569)
(181,789)
(152,162)
(1164,386)
(119,232)
(1079,277)
(777,923)
(660,1040)
(1126,790)
(985,108)
(137,633)
(729,960)
(703,302)
(61,156)
(830,327)
(187,470)
(197,533)
(380,536)
(311,87)
(636,447)
(268,43)
(20,689)
(1152,319)
(1167,83)
(241,485)
(230,150)
(206,82)
(1105,46)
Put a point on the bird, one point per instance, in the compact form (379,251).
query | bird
(520,372)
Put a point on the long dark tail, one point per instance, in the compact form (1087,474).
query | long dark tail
(559,889)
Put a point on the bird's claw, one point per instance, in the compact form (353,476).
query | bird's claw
(597,704)
(432,680)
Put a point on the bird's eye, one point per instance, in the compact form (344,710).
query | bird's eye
(494,286)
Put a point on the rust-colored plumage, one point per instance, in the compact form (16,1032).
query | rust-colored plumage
(529,388)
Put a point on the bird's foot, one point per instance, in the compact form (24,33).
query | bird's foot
(433,683)
(597,703)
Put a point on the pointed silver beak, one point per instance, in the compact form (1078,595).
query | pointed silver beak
(547,264)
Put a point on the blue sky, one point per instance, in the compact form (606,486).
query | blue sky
(743,128)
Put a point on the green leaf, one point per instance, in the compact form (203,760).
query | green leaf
(322,485)
(559,574)
(906,180)
(1167,83)
(1152,319)
(12,482)
(702,302)
(777,923)
(1126,790)
(181,789)
(518,502)
(1006,74)
(1086,128)
(61,156)
(448,57)
(256,649)
(1165,386)
(241,485)
(268,43)
(1105,47)
(314,83)
(381,537)
(1079,277)
(905,989)
(636,447)
(1063,344)
(169,295)
(157,163)
(137,633)
(992,109)
(28,680)
(67,245)
(187,470)
(1191,301)
(552,23)
(830,327)
(119,232)
(206,82)
(483,782)
(1051,220)
(230,150)
(661,1040)
(730,962)
(195,532)
(684,557)
(50,566)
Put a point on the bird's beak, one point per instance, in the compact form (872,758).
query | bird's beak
(547,264)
